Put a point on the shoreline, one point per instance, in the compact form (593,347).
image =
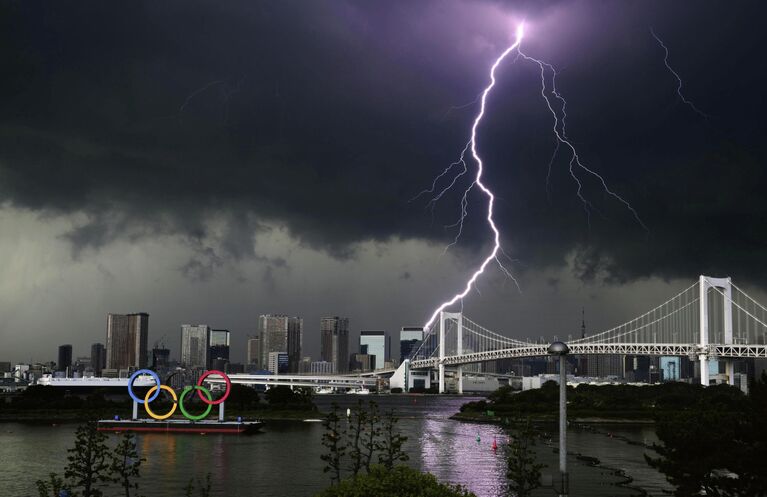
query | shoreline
(551,419)
(76,417)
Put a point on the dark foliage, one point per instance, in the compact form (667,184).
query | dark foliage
(397,482)
(715,443)
(88,462)
(523,472)
(332,441)
(126,463)
(283,397)
(243,397)
(391,442)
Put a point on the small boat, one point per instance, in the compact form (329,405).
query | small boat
(359,391)
(323,390)
(179,426)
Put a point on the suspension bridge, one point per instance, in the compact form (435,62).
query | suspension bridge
(712,319)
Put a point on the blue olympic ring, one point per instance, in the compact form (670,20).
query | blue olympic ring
(133,378)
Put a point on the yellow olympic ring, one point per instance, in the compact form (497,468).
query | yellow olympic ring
(149,410)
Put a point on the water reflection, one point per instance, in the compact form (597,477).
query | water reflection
(462,453)
(284,460)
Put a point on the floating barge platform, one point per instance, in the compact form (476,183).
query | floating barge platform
(179,426)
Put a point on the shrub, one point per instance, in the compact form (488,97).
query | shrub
(399,482)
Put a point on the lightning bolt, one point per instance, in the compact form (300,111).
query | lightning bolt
(472,147)
(560,133)
(676,75)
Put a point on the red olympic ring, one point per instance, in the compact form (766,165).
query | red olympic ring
(226,394)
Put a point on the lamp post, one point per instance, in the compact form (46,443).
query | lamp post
(561,349)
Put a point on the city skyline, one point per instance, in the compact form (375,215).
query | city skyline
(253,198)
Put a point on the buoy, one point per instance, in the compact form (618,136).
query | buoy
(495,445)
(478,439)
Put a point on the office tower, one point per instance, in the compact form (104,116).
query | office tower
(127,336)
(305,366)
(280,333)
(295,343)
(65,357)
(334,342)
(410,338)
(254,352)
(278,362)
(160,358)
(194,345)
(321,367)
(374,343)
(363,362)
(234,368)
(671,367)
(218,355)
(98,358)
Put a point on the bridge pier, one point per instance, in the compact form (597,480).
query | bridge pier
(730,370)
(460,380)
(704,377)
(441,378)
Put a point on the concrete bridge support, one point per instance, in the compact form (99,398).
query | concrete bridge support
(725,286)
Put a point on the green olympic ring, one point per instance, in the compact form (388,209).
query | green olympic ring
(188,389)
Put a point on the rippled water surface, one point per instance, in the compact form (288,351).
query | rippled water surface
(284,460)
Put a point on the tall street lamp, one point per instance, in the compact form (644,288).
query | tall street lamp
(561,349)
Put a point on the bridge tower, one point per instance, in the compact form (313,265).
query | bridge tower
(725,285)
(458,317)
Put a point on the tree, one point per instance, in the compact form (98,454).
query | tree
(50,488)
(371,436)
(691,455)
(331,440)
(243,397)
(402,481)
(357,424)
(716,443)
(283,396)
(205,487)
(391,443)
(523,473)
(88,461)
(125,463)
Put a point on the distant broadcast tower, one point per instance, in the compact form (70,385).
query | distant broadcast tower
(583,361)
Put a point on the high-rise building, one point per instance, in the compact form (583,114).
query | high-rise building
(218,355)
(363,362)
(334,342)
(321,367)
(278,362)
(409,339)
(671,367)
(65,357)
(127,336)
(98,358)
(194,345)
(280,333)
(160,358)
(374,343)
(254,352)
(305,366)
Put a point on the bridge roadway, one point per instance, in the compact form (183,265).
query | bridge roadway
(297,380)
(649,349)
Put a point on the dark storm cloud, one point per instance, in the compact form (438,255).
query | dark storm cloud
(327,117)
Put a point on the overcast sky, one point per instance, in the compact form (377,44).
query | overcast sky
(207,162)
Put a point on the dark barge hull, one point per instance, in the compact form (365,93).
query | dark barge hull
(180,426)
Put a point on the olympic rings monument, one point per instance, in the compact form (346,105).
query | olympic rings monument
(191,423)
